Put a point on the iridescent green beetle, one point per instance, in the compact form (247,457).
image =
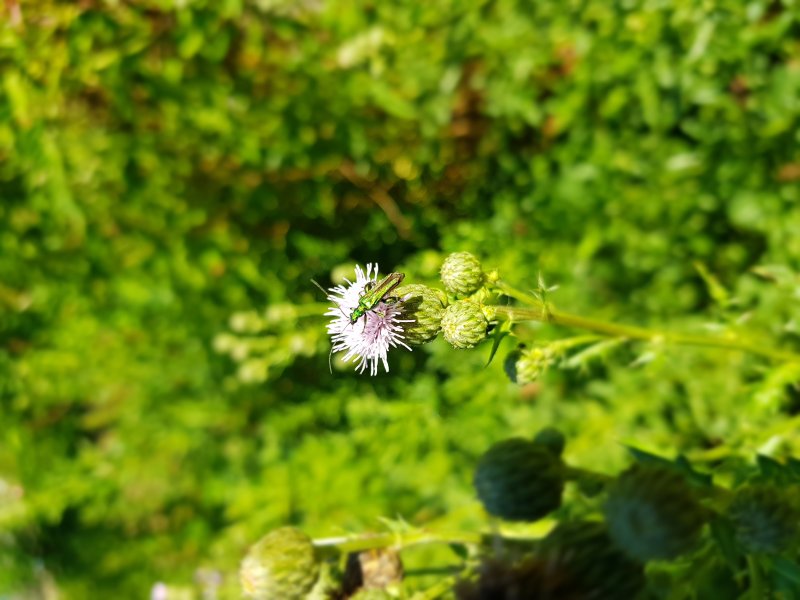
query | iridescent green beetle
(374,293)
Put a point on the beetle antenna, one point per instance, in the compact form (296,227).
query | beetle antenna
(322,289)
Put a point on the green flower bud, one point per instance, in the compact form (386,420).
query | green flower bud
(425,306)
(525,365)
(586,564)
(464,324)
(765,518)
(462,274)
(652,513)
(282,564)
(552,439)
(518,480)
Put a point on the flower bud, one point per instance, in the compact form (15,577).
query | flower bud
(282,564)
(765,518)
(552,439)
(652,513)
(461,274)
(519,480)
(525,365)
(425,306)
(464,324)
(587,563)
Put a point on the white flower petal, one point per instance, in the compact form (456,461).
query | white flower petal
(369,339)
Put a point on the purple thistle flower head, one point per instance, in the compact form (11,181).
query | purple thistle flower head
(369,339)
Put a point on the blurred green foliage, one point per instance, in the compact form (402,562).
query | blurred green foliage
(166,164)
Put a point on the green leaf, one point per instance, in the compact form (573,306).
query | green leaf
(723,533)
(497,337)
(681,465)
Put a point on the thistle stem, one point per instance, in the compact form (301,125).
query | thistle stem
(360,543)
(578,474)
(758,588)
(557,317)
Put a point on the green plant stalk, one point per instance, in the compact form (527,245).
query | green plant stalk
(578,474)
(437,591)
(360,543)
(758,587)
(631,332)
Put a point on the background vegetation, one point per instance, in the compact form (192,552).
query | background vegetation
(173,173)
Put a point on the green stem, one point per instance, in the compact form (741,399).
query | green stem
(360,543)
(578,474)
(437,591)
(631,332)
(758,589)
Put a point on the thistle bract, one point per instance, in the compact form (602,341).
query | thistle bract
(461,274)
(280,565)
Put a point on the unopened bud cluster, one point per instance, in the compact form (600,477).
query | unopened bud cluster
(459,314)
(525,365)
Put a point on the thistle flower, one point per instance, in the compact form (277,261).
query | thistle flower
(370,338)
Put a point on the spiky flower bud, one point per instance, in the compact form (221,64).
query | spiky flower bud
(425,306)
(652,513)
(552,439)
(519,480)
(525,365)
(464,324)
(461,274)
(282,564)
(587,565)
(765,518)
